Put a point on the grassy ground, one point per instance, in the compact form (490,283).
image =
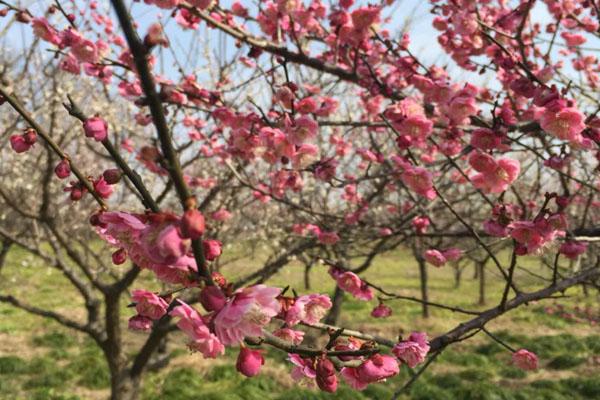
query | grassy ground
(41,360)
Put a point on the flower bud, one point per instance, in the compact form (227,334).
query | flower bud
(192,224)
(95,220)
(77,192)
(30,137)
(119,256)
(219,279)
(139,323)
(155,36)
(212,298)
(381,311)
(96,128)
(24,16)
(18,144)
(326,378)
(63,169)
(212,249)
(249,362)
(525,360)
(404,141)
(562,201)
(112,175)
(102,188)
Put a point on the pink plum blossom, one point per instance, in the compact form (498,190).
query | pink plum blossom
(290,335)
(381,311)
(566,123)
(495,175)
(308,309)
(192,324)
(351,283)
(148,304)
(96,128)
(525,360)
(305,128)
(43,30)
(304,368)
(102,188)
(413,350)
(140,323)
(435,257)
(494,228)
(329,238)
(246,313)
(221,215)
(573,249)
(375,369)
(420,180)
(452,254)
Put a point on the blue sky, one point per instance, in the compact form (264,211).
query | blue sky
(411,15)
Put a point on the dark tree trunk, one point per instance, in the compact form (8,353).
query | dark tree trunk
(307,269)
(123,386)
(424,289)
(457,276)
(475,270)
(6,244)
(481,269)
(336,307)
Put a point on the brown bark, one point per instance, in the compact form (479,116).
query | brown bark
(481,268)
(424,288)
(6,244)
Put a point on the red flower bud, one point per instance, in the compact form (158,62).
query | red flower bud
(96,128)
(212,249)
(119,256)
(30,137)
(404,141)
(249,362)
(112,176)
(562,201)
(140,323)
(219,279)
(18,144)
(212,298)
(192,224)
(63,169)
(326,378)
(95,220)
(77,191)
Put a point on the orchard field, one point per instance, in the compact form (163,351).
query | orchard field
(41,360)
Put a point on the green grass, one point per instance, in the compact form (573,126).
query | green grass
(50,362)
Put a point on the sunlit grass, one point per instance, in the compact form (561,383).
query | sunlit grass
(49,362)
